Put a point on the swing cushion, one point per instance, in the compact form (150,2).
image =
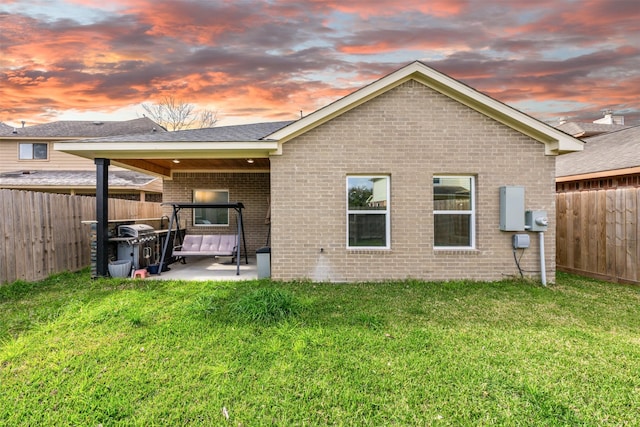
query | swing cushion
(208,244)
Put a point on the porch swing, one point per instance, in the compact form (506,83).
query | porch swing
(208,244)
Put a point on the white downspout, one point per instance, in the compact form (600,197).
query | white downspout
(543,269)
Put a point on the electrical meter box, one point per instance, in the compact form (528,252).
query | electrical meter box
(536,220)
(511,208)
(520,241)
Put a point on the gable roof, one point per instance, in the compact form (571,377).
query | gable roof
(154,152)
(83,129)
(608,154)
(555,141)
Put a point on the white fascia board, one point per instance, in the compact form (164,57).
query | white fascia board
(555,141)
(168,150)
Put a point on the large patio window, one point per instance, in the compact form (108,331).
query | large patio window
(29,151)
(454,212)
(210,216)
(368,211)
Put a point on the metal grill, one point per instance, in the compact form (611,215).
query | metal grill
(137,243)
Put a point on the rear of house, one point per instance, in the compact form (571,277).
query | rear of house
(400,179)
(417,142)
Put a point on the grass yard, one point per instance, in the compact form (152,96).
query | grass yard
(76,351)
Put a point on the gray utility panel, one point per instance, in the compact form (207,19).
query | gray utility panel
(512,208)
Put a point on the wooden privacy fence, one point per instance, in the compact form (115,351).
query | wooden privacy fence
(42,233)
(597,233)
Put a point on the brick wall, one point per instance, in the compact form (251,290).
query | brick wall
(251,189)
(410,133)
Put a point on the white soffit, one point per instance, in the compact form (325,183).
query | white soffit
(168,150)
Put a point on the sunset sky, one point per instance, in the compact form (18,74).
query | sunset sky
(268,60)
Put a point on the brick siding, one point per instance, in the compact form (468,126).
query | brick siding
(410,133)
(251,189)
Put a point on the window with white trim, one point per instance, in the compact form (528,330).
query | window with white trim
(368,212)
(454,212)
(210,216)
(32,151)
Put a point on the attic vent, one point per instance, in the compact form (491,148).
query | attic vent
(98,123)
(27,172)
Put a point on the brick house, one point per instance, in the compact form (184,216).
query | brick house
(399,179)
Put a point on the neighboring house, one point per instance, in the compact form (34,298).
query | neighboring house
(609,160)
(400,179)
(608,123)
(598,207)
(28,161)
(5,128)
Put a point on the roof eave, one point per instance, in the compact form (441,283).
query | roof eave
(168,150)
(599,174)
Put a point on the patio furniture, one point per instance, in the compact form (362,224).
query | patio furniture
(207,245)
(186,205)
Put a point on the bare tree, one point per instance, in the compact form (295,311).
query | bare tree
(174,114)
(208,118)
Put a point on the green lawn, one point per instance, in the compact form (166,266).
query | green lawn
(76,351)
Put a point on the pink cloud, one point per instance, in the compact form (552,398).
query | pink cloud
(283,56)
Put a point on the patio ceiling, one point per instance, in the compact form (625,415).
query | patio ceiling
(165,167)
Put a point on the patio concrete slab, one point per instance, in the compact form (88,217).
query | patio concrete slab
(208,268)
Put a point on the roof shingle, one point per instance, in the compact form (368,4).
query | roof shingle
(130,179)
(84,129)
(235,133)
(606,152)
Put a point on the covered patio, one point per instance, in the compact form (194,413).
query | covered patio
(234,158)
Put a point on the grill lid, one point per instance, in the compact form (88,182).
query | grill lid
(135,230)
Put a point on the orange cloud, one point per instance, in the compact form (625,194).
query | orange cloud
(366,9)
(273,59)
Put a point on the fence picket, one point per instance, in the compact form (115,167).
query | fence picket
(631,235)
(43,233)
(598,233)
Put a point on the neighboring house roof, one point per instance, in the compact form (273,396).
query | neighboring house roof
(555,141)
(83,129)
(47,176)
(608,154)
(584,130)
(78,179)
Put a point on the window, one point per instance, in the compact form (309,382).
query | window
(33,152)
(454,212)
(210,216)
(368,212)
